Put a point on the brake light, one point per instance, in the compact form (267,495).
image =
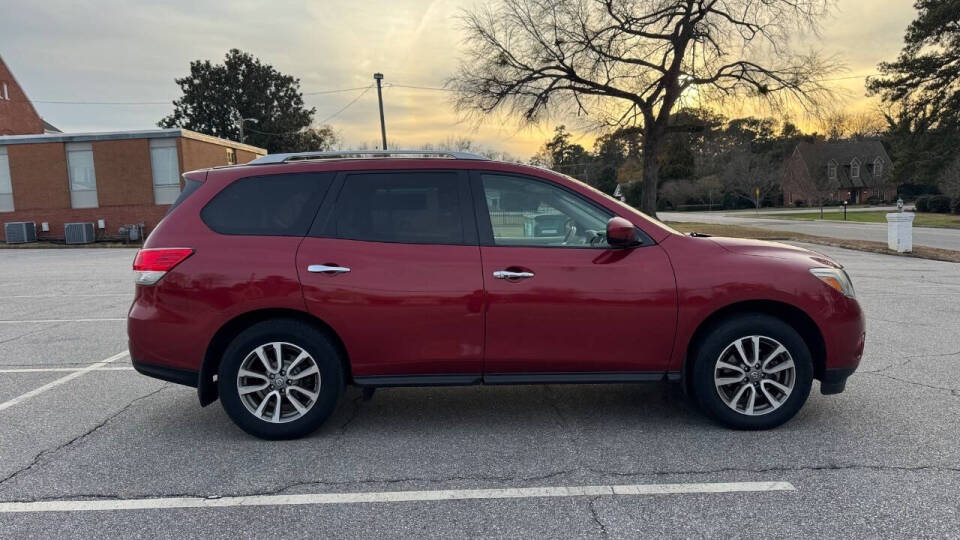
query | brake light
(151,265)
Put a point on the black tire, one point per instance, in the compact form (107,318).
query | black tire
(308,338)
(718,339)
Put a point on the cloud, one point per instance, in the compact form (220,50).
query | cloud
(131,50)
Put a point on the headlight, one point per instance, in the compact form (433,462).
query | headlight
(836,278)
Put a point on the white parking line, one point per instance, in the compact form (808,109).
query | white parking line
(99,295)
(38,321)
(58,369)
(67,378)
(100,505)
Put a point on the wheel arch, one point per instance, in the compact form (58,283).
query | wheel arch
(790,314)
(207,387)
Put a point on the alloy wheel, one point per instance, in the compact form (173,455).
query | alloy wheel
(755,375)
(278,382)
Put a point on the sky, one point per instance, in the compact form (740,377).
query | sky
(131,51)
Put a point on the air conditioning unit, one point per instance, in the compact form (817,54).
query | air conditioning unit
(79,233)
(20,232)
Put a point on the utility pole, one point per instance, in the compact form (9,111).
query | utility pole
(242,120)
(383,127)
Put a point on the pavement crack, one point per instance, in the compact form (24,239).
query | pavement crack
(953,391)
(907,360)
(596,517)
(37,459)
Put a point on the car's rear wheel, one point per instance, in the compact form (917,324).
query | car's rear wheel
(752,371)
(280,379)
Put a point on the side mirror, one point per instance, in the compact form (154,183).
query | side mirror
(621,233)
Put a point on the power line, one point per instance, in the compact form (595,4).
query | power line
(347,106)
(64,102)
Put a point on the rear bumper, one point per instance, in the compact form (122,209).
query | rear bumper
(169,374)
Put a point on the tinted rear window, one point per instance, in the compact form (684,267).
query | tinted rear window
(275,205)
(410,208)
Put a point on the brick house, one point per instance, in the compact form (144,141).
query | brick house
(845,171)
(17,115)
(122,178)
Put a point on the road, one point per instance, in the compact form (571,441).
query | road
(880,460)
(876,232)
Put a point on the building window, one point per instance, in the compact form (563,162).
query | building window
(6,92)
(877,167)
(855,168)
(6,186)
(83,179)
(166,170)
(231,156)
(832,170)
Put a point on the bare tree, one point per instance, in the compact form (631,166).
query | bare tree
(630,63)
(842,125)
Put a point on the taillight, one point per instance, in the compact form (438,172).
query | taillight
(152,264)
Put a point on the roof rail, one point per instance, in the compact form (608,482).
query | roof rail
(361,154)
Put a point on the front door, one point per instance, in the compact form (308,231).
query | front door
(395,271)
(559,300)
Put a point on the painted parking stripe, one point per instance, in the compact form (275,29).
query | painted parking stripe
(67,378)
(101,505)
(62,369)
(41,321)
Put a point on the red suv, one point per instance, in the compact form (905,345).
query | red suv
(274,284)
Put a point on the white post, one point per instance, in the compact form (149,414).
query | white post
(900,231)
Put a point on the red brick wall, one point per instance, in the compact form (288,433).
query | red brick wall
(38,173)
(196,154)
(17,115)
(41,188)
(124,174)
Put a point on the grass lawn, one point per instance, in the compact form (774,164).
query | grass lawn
(923,219)
(738,231)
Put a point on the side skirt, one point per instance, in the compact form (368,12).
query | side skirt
(378,381)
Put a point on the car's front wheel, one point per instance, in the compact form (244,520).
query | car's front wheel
(280,379)
(752,371)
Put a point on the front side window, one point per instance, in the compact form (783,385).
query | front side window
(83,178)
(166,170)
(6,185)
(276,205)
(409,208)
(527,212)
(855,168)
(832,170)
(877,167)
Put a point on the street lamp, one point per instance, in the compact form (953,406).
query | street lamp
(242,120)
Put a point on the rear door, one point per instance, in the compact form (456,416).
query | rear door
(392,264)
(560,301)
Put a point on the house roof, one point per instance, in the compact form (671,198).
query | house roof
(117,135)
(817,157)
(50,128)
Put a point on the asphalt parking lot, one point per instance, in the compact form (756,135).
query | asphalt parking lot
(79,428)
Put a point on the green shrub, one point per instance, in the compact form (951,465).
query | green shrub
(922,204)
(939,204)
(874,200)
(800,203)
(955,205)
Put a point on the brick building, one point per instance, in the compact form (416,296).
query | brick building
(850,171)
(122,178)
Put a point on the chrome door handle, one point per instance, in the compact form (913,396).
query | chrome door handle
(324,269)
(507,274)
